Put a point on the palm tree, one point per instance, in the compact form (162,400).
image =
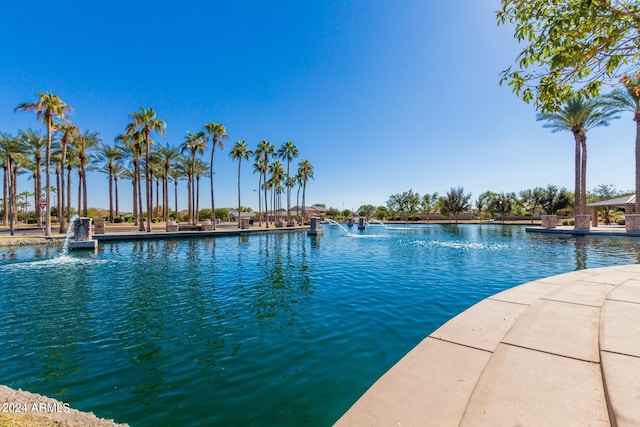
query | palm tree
(146,122)
(132,141)
(288,152)
(109,155)
(218,133)
(261,166)
(167,156)
(305,171)
(117,172)
(628,99)
(12,149)
(69,133)
(177,172)
(578,116)
(238,152)
(264,150)
(47,107)
(86,144)
(195,144)
(73,161)
(276,179)
(36,144)
(200,170)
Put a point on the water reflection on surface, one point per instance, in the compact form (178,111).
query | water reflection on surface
(254,329)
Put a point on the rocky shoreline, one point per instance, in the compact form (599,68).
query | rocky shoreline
(23,409)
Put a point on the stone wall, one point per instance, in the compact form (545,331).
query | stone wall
(632,222)
(549,221)
(583,222)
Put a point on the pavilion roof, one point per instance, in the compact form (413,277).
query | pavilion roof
(618,201)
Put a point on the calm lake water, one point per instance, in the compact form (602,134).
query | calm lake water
(266,329)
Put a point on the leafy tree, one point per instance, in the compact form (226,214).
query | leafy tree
(530,200)
(222,213)
(455,202)
(502,203)
(604,192)
(333,213)
(569,46)
(552,199)
(578,116)
(428,203)
(366,211)
(382,212)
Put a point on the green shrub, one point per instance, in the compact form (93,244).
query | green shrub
(118,220)
(569,221)
(620,221)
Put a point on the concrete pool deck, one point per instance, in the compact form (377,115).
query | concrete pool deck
(559,351)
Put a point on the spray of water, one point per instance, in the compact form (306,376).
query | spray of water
(65,247)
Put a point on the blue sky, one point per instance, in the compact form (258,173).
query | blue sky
(380,96)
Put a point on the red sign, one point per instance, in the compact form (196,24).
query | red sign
(43,205)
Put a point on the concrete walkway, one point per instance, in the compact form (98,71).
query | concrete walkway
(560,351)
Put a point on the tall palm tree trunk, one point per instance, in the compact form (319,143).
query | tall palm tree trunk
(61,195)
(47,231)
(196,210)
(37,192)
(577,205)
(68,194)
(5,192)
(134,192)
(259,201)
(583,175)
(239,216)
(213,203)
(115,185)
(79,192)
(149,182)
(636,117)
(175,197)
(266,205)
(139,191)
(165,196)
(110,194)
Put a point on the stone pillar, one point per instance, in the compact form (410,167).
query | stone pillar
(172,226)
(632,223)
(315,227)
(82,229)
(549,221)
(98,226)
(582,222)
(361,225)
(594,215)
